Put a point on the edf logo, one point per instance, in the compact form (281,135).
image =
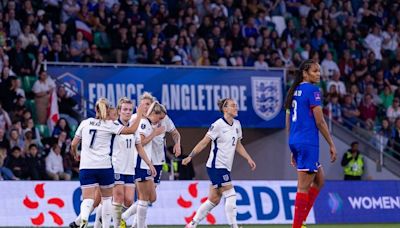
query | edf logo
(258,191)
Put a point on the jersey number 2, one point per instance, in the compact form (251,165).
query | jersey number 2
(294,106)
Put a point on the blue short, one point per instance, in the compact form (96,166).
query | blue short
(306,157)
(124,179)
(219,177)
(143,175)
(96,177)
(157,178)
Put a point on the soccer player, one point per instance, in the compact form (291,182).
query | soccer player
(125,148)
(304,118)
(226,135)
(144,181)
(95,166)
(158,142)
(146,99)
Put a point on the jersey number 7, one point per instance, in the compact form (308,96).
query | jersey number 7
(93,132)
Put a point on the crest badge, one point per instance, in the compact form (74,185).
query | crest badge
(266,96)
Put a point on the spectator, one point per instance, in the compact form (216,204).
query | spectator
(30,125)
(71,165)
(15,139)
(335,81)
(368,110)
(42,90)
(70,10)
(318,40)
(28,39)
(14,27)
(346,63)
(19,60)
(35,163)
(79,48)
(373,42)
(5,173)
(16,163)
(393,75)
(353,163)
(5,121)
(28,141)
(4,143)
(334,108)
(66,106)
(329,67)
(355,95)
(54,165)
(386,131)
(260,64)
(62,125)
(350,112)
(393,111)
(387,96)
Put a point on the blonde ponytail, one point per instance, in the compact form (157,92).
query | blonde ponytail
(102,109)
(156,108)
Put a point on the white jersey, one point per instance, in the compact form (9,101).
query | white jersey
(96,138)
(224,140)
(123,153)
(144,129)
(158,142)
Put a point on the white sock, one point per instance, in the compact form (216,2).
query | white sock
(202,212)
(129,212)
(230,207)
(97,223)
(106,213)
(141,213)
(116,213)
(86,208)
(78,220)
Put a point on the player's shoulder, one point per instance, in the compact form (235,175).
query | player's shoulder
(310,87)
(218,123)
(144,123)
(237,122)
(87,121)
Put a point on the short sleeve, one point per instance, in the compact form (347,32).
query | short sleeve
(35,87)
(137,139)
(213,131)
(144,127)
(314,97)
(169,125)
(115,127)
(78,132)
(240,135)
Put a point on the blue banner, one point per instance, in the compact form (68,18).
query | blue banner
(358,202)
(189,94)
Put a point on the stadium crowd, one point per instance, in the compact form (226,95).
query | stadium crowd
(355,42)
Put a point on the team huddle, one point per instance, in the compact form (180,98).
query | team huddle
(124,154)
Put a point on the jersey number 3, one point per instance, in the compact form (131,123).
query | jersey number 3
(294,106)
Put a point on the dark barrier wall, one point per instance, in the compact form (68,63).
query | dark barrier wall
(189,94)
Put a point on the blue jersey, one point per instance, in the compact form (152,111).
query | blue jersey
(303,129)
